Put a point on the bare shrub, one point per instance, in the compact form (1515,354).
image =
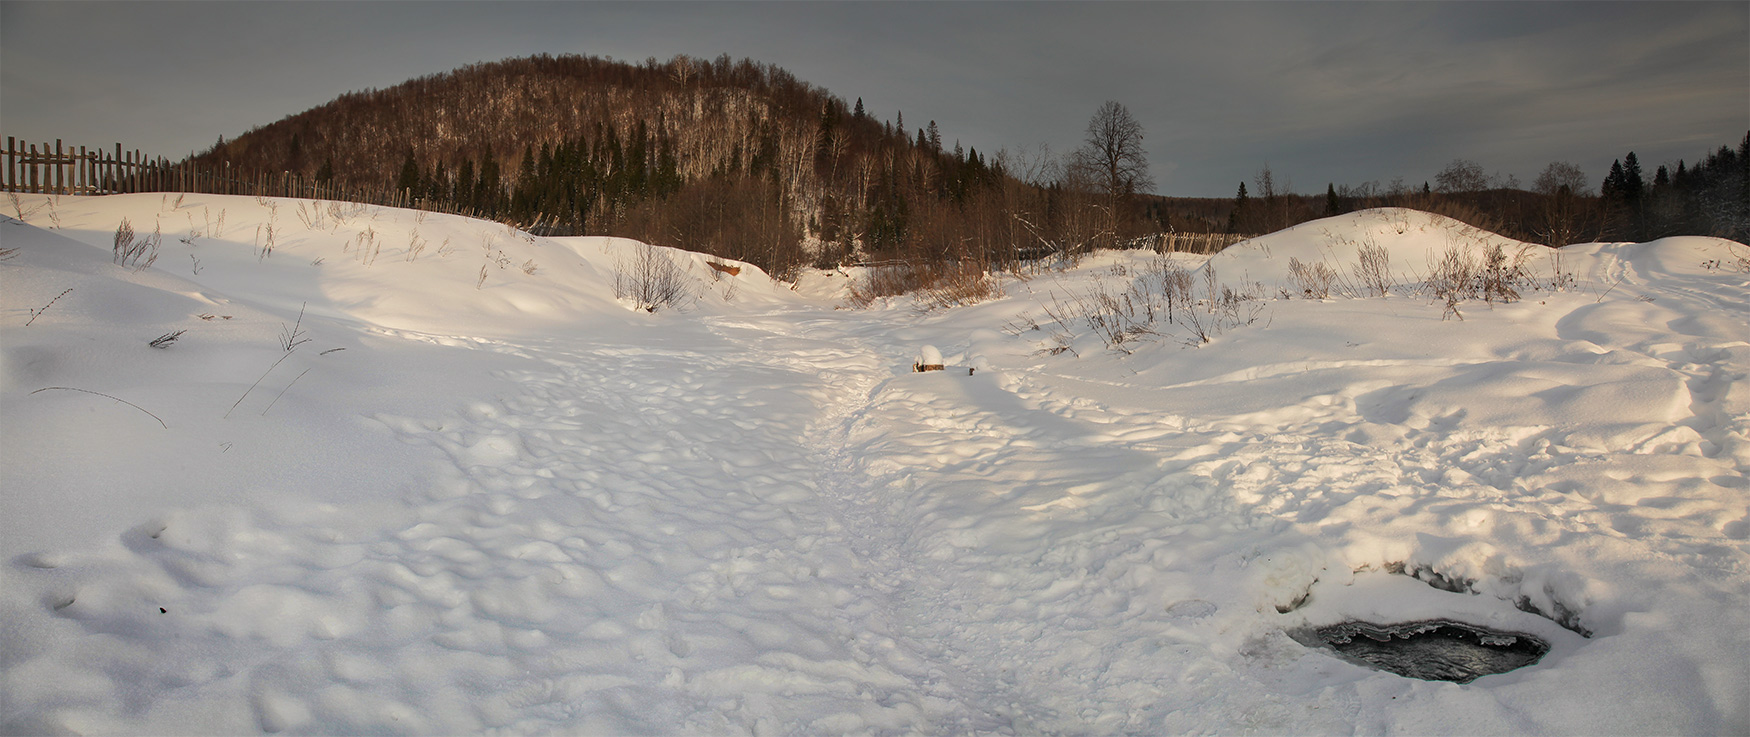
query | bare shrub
(136,254)
(263,249)
(124,241)
(1373,270)
(294,336)
(1161,302)
(18,206)
(1314,280)
(368,246)
(1453,276)
(651,280)
(885,280)
(310,214)
(936,285)
(1459,276)
(1503,273)
(955,284)
(1561,279)
(1221,309)
(415,245)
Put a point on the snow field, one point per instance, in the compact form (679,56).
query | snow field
(517,506)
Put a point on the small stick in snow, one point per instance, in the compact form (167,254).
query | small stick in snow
(106,396)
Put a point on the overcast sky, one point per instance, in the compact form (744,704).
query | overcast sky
(1319,92)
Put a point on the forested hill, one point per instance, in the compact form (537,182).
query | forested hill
(736,158)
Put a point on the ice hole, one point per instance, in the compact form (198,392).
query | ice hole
(1433,650)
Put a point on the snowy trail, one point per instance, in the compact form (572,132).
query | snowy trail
(701,514)
(628,539)
(511,505)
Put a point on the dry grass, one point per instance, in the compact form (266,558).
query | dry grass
(935,285)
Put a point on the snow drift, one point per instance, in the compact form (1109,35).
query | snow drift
(418,474)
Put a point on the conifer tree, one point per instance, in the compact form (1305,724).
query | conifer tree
(1236,218)
(1633,186)
(1613,186)
(408,181)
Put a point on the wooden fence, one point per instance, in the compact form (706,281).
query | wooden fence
(64,170)
(1192,242)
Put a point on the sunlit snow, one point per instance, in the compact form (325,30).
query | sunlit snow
(422,474)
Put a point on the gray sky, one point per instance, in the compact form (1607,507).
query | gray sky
(1320,92)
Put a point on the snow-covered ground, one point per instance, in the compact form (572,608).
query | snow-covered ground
(478,493)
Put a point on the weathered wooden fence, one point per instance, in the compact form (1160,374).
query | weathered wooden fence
(61,169)
(1190,242)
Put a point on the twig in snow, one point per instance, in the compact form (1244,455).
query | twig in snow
(256,384)
(276,397)
(105,396)
(164,341)
(290,339)
(34,314)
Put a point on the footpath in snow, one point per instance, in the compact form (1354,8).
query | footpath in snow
(421,474)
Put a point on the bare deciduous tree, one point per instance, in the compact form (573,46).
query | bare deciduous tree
(1559,175)
(1113,166)
(1112,158)
(1566,207)
(1462,175)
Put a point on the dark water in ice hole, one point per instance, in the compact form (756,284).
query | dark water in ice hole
(1435,650)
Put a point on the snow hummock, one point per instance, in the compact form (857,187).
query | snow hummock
(424,474)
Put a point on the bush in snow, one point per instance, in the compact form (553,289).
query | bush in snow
(1162,300)
(137,254)
(651,280)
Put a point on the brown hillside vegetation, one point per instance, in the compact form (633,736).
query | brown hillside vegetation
(738,159)
(743,160)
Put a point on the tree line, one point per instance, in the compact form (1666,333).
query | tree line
(735,158)
(1561,206)
(743,160)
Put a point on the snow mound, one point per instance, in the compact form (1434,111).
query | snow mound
(400,270)
(1413,241)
